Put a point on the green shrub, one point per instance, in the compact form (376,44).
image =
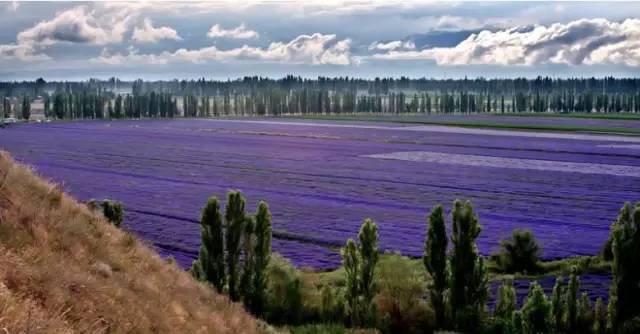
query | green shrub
(284,295)
(113,211)
(331,305)
(399,299)
(520,253)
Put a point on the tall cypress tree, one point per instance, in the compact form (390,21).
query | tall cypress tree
(351,264)
(246,278)
(536,311)
(234,218)
(435,261)
(557,304)
(368,251)
(469,280)
(359,261)
(571,300)
(625,286)
(505,306)
(600,317)
(210,263)
(26,107)
(262,255)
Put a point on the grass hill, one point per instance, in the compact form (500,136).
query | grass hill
(64,269)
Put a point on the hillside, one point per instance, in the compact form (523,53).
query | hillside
(65,270)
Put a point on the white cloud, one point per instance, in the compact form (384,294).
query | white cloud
(239,32)
(580,42)
(393,45)
(132,58)
(147,33)
(313,49)
(20,52)
(79,25)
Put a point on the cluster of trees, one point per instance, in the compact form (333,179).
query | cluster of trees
(458,289)
(89,105)
(226,242)
(235,257)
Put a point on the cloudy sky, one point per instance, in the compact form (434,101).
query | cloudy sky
(164,40)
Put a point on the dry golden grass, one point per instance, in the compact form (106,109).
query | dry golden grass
(65,270)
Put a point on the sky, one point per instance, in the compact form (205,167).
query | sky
(368,39)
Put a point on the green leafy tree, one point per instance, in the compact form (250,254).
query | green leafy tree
(571,301)
(557,304)
(536,311)
(505,307)
(351,264)
(435,261)
(600,317)
(359,261)
(469,280)
(368,251)
(234,218)
(585,317)
(209,266)
(520,253)
(517,325)
(26,107)
(625,286)
(261,256)
(246,277)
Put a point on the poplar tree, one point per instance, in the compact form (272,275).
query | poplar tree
(359,261)
(368,251)
(246,278)
(209,266)
(234,218)
(585,317)
(536,311)
(571,301)
(505,307)
(26,108)
(625,285)
(600,317)
(557,304)
(351,264)
(435,261)
(262,255)
(469,280)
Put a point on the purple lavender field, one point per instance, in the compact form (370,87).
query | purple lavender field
(321,179)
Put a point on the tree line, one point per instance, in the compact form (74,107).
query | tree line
(235,258)
(250,84)
(90,105)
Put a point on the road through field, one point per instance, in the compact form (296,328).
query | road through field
(322,179)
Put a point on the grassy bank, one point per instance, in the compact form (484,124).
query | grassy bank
(63,269)
(621,116)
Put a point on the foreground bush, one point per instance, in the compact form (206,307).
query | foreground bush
(113,211)
(284,293)
(399,300)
